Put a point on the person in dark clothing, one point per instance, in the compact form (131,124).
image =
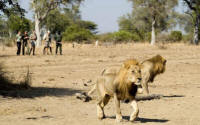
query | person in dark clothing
(25,39)
(18,40)
(33,39)
(58,39)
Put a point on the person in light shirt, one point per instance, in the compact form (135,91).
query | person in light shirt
(47,39)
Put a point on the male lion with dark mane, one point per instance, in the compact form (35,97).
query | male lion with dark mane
(150,68)
(120,84)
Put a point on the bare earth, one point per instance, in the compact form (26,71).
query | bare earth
(56,79)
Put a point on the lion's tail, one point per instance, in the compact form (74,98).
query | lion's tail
(92,90)
(95,85)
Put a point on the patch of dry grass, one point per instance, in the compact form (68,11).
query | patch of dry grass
(7,84)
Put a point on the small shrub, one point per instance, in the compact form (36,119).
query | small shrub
(9,44)
(107,37)
(175,36)
(136,37)
(26,83)
(122,36)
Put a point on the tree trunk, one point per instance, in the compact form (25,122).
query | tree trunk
(153,34)
(10,33)
(37,29)
(196,30)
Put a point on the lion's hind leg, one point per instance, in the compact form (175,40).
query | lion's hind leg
(100,106)
(135,113)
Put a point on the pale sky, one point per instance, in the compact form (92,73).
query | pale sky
(105,13)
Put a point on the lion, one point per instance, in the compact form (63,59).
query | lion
(150,68)
(121,85)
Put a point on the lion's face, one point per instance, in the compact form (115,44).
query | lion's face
(163,63)
(133,75)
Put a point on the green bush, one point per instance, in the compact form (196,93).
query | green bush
(136,37)
(76,33)
(175,36)
(121,36)
(107,37)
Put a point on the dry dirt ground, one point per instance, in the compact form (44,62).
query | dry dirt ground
(56,79)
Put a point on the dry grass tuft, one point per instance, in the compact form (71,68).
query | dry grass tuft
(162,46)
(26,83)
(6,84)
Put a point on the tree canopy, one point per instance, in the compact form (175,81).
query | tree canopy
(149,15)
(10,6)
(194,12)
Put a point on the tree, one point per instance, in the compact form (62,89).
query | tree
(128,23)
(56,21)
(3,27)
(10,6)
(42,8)
(154,13)
(76,33)
(194,11)
(16,23)
(88,25)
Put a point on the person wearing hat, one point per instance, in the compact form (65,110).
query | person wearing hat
(47,39)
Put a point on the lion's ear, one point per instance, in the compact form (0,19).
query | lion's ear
(125,66)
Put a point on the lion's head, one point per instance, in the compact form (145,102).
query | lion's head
(129,77)
(159,65)
(131,71)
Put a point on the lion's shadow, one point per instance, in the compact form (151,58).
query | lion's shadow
(156,96)
(142,120)
(34,92)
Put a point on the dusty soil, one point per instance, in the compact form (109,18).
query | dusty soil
(56,79)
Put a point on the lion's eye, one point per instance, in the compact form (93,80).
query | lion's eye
(133,71)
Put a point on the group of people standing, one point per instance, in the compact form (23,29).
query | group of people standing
(23,39)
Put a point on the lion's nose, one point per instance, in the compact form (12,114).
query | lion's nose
(139,79)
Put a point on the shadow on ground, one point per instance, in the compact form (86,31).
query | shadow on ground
(146,120)
(4,56)
(39,92)
(156,96)
(142,120)
(23,89)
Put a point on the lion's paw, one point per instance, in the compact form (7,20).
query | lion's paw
(119,118)
(100,113)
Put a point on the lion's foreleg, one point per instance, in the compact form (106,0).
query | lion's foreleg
(145,87)
(135,113)
(100,112)
(145,79)
(117,108)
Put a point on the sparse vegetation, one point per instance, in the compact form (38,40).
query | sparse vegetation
(175,36)
(7,83)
